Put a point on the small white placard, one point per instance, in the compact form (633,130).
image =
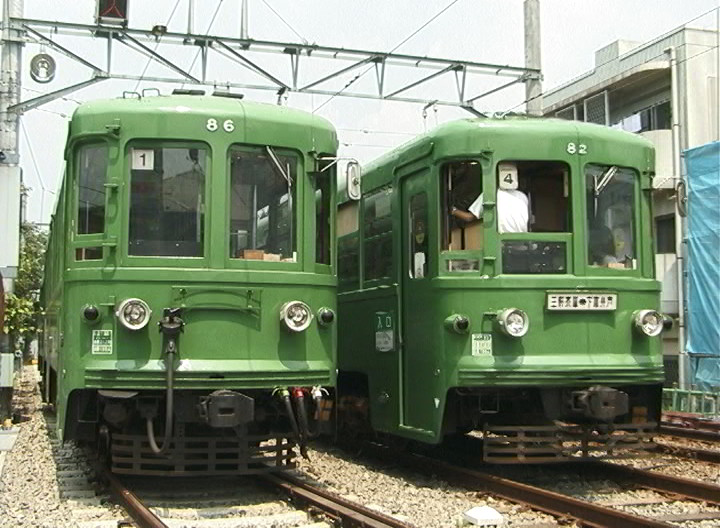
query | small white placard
(482,344)
(507,176)
(102,342)
(143,159)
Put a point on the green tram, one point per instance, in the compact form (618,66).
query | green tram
(529,318)
(190,291)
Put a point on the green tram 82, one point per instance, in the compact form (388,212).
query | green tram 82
(538,332)
(190,291)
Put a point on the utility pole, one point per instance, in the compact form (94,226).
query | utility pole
(244,20)
(9,152)
(533,83)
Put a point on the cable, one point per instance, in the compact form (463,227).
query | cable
(285,22)
(349,83)
(157,45)
(659,55)
(207,32)
(369,131)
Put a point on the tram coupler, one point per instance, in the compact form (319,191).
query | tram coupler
(171,326)
(226,408)
(599,402)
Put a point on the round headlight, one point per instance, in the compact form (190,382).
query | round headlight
(513,322)
(296,315)
(649,322)
(133,314)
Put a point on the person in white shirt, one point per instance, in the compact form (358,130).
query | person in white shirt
(512,210)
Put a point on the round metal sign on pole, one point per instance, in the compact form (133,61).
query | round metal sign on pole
(42,68)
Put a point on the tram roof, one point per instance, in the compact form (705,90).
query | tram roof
(206,105)
(508,128)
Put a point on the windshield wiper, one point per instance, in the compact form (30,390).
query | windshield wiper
(605,178)
(285,174)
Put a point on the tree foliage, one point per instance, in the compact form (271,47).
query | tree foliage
(22,310)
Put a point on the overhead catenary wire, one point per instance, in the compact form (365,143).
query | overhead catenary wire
(285,22)
(659,55)
(359,75)
(157,45)
(207,33)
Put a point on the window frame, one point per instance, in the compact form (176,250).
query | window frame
(386,279)
(167,260)
(84,241)
(591,270)
(300,223)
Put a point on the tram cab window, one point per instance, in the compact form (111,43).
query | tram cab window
(262,204)
(167,201)
(377,234)
(533,197)
(322,215)
(91,170)
(610,194)
(418,236)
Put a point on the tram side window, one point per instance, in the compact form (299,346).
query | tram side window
(418,236)
(92,164)
(322,216)
(611,205)
(348,257)
(377,240)
(167,201)
(461,187)
(262,205)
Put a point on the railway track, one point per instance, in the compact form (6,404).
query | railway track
(610,511)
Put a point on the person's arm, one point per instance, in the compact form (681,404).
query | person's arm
(462,215)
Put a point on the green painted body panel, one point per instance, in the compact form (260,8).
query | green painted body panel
(408,386)
(233,338)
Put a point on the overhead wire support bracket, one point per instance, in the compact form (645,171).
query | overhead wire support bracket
(50,42)
(24,106)
(152,53)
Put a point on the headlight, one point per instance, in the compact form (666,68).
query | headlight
(296,315)
(513,322)
(134,314)
(649,322)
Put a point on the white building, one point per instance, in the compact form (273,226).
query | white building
(632,87)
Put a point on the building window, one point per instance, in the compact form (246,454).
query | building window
(665,234)
(657,117)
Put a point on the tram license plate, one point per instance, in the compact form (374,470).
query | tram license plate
(581,301)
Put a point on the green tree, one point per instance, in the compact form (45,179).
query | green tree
(22,311)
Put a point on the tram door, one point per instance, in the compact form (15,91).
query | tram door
(417,364)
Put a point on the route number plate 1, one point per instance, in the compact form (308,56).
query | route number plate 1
(143,159)
(482,344)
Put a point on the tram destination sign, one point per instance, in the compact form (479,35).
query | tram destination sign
(581,302)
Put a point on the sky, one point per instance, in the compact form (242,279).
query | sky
(474,30)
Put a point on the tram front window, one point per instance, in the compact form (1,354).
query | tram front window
(610,204)
(262,204)
(167,201)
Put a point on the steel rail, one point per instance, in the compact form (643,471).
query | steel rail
(140,513)
(692,489)
(553,503)
(349,512)
(706,455)
(686,432)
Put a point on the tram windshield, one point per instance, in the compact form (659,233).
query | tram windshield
(167,201)
(262,204)
(610,205)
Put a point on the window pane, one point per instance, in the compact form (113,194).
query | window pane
(262,206)
(611,205)
(91,176)
(529,256)
(418,236)
(167,201)
(347,235)
(461,186)
(378,234)
(322,216)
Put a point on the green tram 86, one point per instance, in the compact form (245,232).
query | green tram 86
(529,317)
(190,291)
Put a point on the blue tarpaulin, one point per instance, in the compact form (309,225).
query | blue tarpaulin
(703,279)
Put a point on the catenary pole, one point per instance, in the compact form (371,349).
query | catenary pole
(533,83)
